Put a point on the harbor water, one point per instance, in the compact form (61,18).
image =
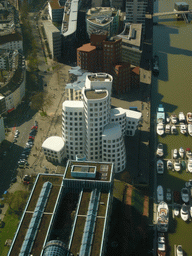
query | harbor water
(172,42)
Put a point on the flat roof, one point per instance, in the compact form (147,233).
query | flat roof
(126,35)
(100,77)
(56,181)
(50,26)
(87,48)
(54,143)
(133,114)
(95,94)
(55,4)
(101,167)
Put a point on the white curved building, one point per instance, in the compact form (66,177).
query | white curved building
(97,114)
(102,18)
(118,115)
(53,148)
(73,128)
(113,147)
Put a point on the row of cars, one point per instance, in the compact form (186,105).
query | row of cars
(25,154)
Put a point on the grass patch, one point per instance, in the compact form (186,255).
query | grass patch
(11,221)
(137,200)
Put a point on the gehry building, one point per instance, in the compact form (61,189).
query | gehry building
(89,125)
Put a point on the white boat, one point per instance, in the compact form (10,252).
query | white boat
(160,196)
(175,153)
(167,128)
(169,165)
(181,117)
(162,217)
(189,127)
(181,152)
(188,184)
(176,210)
(189,165)
(155,68)
(160,114)
(179,250)
(189,118)
(167,119)
(190,211)
(168,195)
(184,212)
(185,195)
(173,129)
(173,119)
(159,151)
(160,167)
(177,166)
(161,247)
(183,128)
(160,129)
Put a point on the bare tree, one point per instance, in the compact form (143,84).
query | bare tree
(41,101)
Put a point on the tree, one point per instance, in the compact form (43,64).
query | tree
(41,101)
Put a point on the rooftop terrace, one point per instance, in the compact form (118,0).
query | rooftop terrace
(95,94)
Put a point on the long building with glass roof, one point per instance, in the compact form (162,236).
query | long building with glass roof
(67,214)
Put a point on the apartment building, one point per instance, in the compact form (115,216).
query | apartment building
(122,77)
(86,56)
(2,129)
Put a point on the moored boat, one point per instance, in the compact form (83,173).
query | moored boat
(169,165)
(181,152)
(159,151)
(176,210)
(161,247)
(177,166)
(160,196)
(160,114)
(184,212)
(173,129)
(173,119)
(183,128)
(185,195)
(188,153)
(160,167)
(160,129)
(179,250)
(189,126)
(189,118)
(181,117)
(162,217)
(167,128)
(155,68)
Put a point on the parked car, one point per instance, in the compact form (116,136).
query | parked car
(32,133)
(31,137)
(36,123)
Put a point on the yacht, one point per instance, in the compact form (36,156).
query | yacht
(181,152)
(184,212)
(175,153)
(167,128)
(176,210)
(162,217)
(160,196)
(189,126)
(189,118)
(160,114)
(160,167)
(173,129)
(183,128)
(160,129)
(173,119)
(181,117)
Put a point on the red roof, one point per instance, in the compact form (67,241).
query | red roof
(136,70)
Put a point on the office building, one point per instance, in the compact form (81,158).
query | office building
(131,38)
(135,11)
(103,18)
(86,57)
(82,195)
(53,38)
(121,78)
(55,10)
(2,129)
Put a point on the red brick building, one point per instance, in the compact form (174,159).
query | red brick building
(121,78)
(86,56)
(135,77)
